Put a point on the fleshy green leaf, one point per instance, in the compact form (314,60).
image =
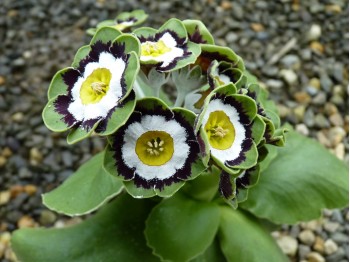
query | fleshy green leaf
(180,228)
(221,53)
(303,179)
(105,35)
(80,55)
(114,234)
(78,134)
(138,192)
(131,44)
(205,186)
(212,254)
(57,85)
(85,191)
(243,239)
(258,129)
(175,25)
(52,119)
(196,26)
(120,115)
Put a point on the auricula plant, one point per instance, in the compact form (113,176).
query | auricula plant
(197,166)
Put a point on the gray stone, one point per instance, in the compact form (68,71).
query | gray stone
(337,256)
(321,121)
(319,99)
(339,237)
(303,250)
(291,61)
(326,82)
(274,84)
(231,37)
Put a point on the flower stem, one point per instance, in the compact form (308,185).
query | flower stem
(180,99)
(138,90)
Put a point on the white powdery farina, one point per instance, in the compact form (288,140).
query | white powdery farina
(116,66)
(236,147)
(167,57)
(155,123)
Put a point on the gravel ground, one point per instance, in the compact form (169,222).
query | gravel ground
(298,49)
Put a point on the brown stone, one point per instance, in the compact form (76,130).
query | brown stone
(317,46)
(226,5)
(257,27)
(333,8)
(30,189)
(26,221)
(16,190)
(302,97)
(6,152)
(319,244)
(2,80)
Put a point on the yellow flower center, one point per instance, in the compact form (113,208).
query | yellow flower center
(155,148)
(220,131)
(95,86)
(154,48)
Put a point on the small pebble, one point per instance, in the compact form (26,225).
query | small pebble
(289,76)
(26,221)
(307,237)
(315,257)
(336,120)
(302,129)
(330,247)
(330,226)
(288,245)
(319,244)
(315,32)
(4,197)
(47,217)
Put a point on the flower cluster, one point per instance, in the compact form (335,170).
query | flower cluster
(221,117)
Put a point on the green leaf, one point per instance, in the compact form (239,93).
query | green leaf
(258,129)
(114,234)
(139,14)
(212,254)
(131,44)
(105,34)
(85,191)
(78,134)
(180,228)
(193,25)
(138,192)
(222,53)
(144,32)
(57,85)
(80,55)
(205,186)
(120,115)
(52,119)
(302,180)
(175,25)
(243,239)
